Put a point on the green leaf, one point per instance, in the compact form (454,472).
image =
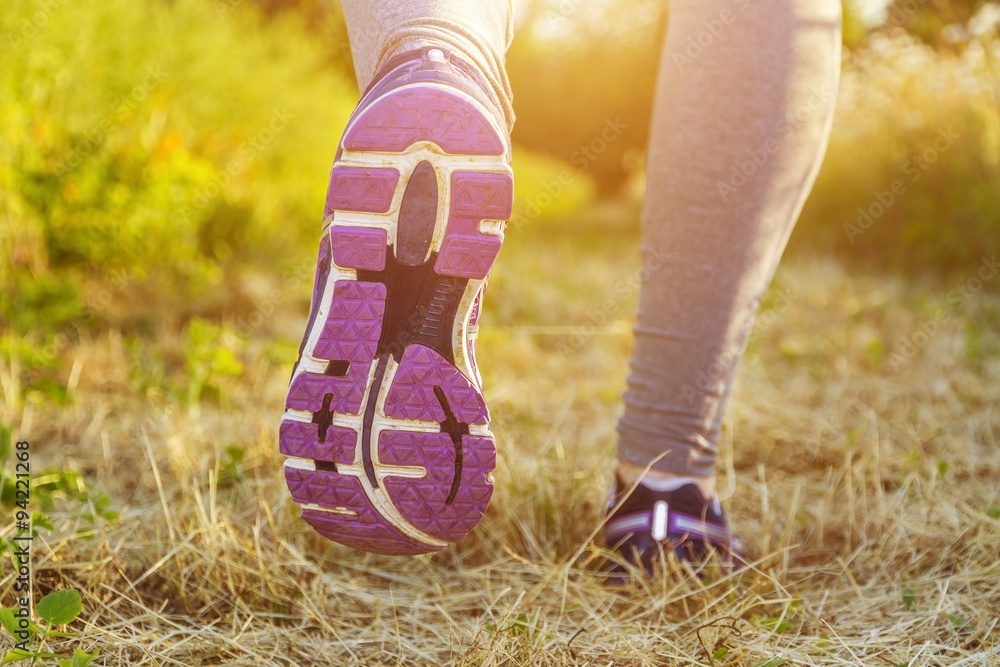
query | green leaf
(773,662)
(909,599)
(17,654)
(720,653)
(8,621)
(961,624)
(6,438)
(41,520)
(778,626)
(994,511)
(11,625)
(84,658)
(60,608)
(80,659)
(53,633)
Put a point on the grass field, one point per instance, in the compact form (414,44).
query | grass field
(158,188)
(860,467)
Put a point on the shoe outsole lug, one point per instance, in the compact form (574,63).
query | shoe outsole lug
(361,189)
(358,248)
(303,441)
(468,252)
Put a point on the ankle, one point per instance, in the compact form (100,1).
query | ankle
(630,473)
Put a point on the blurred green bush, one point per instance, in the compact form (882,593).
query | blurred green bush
(911,179)
(155,147)
(155,142)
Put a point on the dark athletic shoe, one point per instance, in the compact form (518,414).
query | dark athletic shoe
(386,430)
(658,518)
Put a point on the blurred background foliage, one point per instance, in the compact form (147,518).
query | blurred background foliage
(165,162)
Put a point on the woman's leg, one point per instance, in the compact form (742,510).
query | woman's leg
(742,115)
(478,31)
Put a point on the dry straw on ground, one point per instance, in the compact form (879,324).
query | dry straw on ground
(849,477)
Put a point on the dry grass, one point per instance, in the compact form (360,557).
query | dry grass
(848,477)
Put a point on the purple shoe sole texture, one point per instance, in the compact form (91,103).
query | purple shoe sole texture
(434,483)
(412,393)
(423,113)
(355,248)
(423,501)
(354,189)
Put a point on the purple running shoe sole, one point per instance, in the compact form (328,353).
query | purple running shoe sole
(386,431)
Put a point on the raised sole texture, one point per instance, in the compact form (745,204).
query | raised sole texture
(386,429)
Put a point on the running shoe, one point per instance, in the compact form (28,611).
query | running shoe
(646,523)
(385,430)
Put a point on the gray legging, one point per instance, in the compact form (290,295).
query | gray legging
(743,110)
